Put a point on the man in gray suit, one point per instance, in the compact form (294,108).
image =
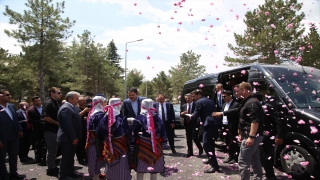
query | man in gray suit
(69,134)
(10,131)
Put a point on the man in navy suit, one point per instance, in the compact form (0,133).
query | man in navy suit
(25,141)
(166,114)
(230,123)
(204,108)
(132,105)
(190,126)
(10,131)
(69,134)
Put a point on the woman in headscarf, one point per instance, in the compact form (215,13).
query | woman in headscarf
(113,131)
(93,145)
(149,132)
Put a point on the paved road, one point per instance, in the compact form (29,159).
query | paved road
(177,167)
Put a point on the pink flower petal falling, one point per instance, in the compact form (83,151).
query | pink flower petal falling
(148,57)
(217,18)
(211,26)
(201,85)
(135,4)
(275,51)
(290,25)
(243,72)
(266,13)
(180,23)
(273,26)
(203,19)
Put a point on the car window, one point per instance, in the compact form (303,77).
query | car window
(304,92)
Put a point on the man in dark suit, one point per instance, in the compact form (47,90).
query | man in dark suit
(35,119)
(167,115)
(192,127)
(272,127)
(218,98)
(25,141)
(204,108)
(10,131)
(132,105)
(230,122)
(69,134)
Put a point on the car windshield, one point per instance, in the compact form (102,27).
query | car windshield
(304,92)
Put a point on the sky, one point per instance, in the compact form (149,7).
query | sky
(168,28)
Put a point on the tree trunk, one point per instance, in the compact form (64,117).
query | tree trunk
(40,67)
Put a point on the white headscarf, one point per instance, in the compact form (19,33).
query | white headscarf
(97,102)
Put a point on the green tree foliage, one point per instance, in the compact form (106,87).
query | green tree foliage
(113,56)
(188,68)
(91,71)
(16,75)
(273,33)
(161,84)
(311,49)
(146,89)
(134,78)
(43,28)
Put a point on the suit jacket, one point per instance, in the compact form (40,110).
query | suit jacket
(127,107)
(184,107)
(232,113)
(216,101)
(204,108)
(9,128)
(69,124)
(22,119)
(170,112)
(34,117)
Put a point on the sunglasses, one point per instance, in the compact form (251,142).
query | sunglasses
(224,96)
(58,92)
(7,94)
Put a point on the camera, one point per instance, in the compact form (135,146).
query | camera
(89,103)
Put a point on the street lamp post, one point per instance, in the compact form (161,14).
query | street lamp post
(125,69)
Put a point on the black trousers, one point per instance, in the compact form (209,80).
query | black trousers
(10,147)
(230,138)
(209,136)
(170,134)
(192,134)
(266,151)
(24,143)
(68,151)
(40,149)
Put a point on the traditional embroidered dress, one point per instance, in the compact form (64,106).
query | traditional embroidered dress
(149,131)
(94,146)
(113,130)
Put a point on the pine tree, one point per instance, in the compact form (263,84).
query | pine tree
(42,27)
(113,56)
(311,49)
(273,34)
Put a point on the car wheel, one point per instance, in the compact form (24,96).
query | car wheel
(296,161)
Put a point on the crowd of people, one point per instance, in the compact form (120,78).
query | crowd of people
(121,136)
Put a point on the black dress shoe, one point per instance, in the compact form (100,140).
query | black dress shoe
(174,152)
(188,155)
(206,162)
(228,160)
(211,170)
(53,172)
(16,176)
(24,160)
(30,158)
(75,175)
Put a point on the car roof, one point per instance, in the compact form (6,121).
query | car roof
(275,70)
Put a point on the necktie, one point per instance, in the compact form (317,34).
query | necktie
(163,114)
(188,109)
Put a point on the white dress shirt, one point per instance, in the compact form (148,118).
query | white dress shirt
(226,108)
(160,111)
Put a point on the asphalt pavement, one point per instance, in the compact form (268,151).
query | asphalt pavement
(177,167)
